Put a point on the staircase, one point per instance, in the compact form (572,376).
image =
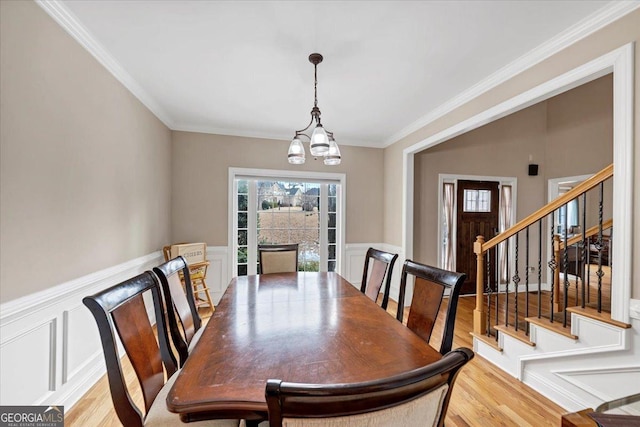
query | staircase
(547,319)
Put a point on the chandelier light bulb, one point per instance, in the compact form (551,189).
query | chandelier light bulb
(296,152)
(333,156)
(319,142)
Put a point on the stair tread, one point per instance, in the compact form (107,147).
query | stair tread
(552,326)
(592,313)
(520,334)
(490,341)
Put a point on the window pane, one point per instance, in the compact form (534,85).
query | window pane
(242,220)
(243,187)
(309,256)
(332,251)
(242,255)
(242,202)
(242,237)
(242,270)
(332,266)
(332,204)
(332,235)
(477,200)
(332,220)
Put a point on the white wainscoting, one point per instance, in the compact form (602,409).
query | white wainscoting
(218,271)
(50,352)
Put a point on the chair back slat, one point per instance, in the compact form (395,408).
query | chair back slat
(376,280)
(429,289)
(136,335)
(427,298)
(382,267)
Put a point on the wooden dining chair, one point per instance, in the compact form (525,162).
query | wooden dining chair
(381,267)
(182,314)
(120,310)
(278,258)
(415,398)
(428,291)
(195,255)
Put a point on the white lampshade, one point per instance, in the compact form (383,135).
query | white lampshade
(319,142)
(296,152)
(333,156)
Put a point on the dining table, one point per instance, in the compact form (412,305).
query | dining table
(305,327)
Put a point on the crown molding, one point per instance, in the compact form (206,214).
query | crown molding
(70,23)
(571,35)
(608,14)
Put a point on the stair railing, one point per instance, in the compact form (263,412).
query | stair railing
(488,276)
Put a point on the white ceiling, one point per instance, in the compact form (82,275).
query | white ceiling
(241,68)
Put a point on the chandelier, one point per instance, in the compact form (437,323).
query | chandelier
(321,141)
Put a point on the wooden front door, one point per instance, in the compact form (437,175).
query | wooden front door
(477,205)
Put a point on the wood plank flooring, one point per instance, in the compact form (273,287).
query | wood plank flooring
(483,394)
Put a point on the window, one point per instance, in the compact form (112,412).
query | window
(274,210)
(567,215)
(477,200)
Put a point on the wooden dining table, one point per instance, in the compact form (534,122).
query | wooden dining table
(300,327)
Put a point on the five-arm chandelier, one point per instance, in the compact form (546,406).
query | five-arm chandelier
(321,141)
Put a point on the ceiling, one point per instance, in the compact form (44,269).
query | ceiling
(241,67)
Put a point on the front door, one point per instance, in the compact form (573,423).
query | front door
(477,204)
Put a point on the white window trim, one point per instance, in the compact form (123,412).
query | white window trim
(293,175)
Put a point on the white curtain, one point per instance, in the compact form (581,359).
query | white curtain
(448,197)
(505,213)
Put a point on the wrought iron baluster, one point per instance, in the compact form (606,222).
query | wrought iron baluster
(565,265)
(516,281)
(552,265)
(526,281)
(506,287)
(488,291)
(497,284)
(599,247)
(540,268)
(584,258)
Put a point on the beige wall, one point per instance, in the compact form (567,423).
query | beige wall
(623,31)
(200,181)
(568,135)
(85,167)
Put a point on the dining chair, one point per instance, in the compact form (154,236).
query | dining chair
(381,267)
(120,310)
(428,292)
(182,314)
(278,258)
(415,398)
(195,255)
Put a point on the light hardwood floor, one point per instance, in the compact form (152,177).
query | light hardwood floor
(483,394)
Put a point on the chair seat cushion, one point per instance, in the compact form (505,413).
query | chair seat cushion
(196,338)
(159,415)
(423,411)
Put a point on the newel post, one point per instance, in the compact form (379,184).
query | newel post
(479,316)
